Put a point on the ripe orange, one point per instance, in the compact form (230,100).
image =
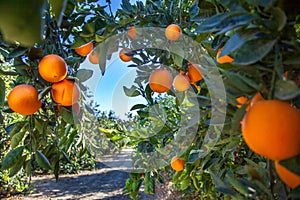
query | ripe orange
(23,99)
(271,128)
(288,177)
(94,57)
(181,82)
(85,49)
(173,32)
(194,73)
(223,59)
(123,55)
(256,98)
(65,93)
(160,80)
(241,101)
(53,68)
(131,32)
(177,164)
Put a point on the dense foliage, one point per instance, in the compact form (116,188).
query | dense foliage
(261,36)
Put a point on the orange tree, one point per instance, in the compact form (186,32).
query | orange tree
(253,44)
(41,133)
(259,42)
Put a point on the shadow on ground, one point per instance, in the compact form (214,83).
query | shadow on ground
(104,183)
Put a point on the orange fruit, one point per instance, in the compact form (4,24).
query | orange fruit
(53,68)
(160,80)
(23,99)
(223,59)
(256,98)
(241,101)
(85,49)
(286,74)
(181,82)
(173,32)
(131,32)
(94,57)
(65,92)
(271,128)
(123,55)
(177,164)
(289,178)
(194,73)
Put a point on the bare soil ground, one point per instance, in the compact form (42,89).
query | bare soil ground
(106,183)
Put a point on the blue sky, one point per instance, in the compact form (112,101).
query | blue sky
(108,89)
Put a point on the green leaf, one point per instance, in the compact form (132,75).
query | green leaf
(222,187)
(149,184)
(43,93)
(66,157)
(149,93)
(28,167)
(131,92)
(194,155)
(8,73)
(39,124)
(58,7)
(237,40)
(292,164)
(286,89)
(16,139)
(67,115)
(245,55)
(88,30)
(2,92)
(84,74)
(102,51)
(15,128)
(28,21)
(16,168)
(212,22)
(138,106)
(17,52)
(184,184)
(225,22)
(12,157)
(42,161)
(239,82)
(279,16)
(237,117)
(237,184)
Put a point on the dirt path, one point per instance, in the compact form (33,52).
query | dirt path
(106,182)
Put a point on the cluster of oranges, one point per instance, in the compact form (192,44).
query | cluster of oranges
(172,32)
(24,98)
(88,50)
(271,129)
(161,80)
